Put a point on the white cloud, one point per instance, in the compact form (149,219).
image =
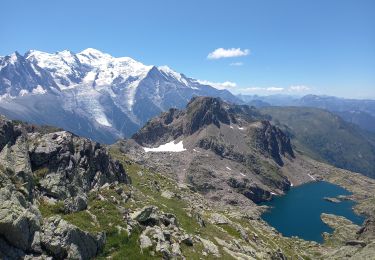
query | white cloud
(262,89)
(236,64)
(274,89)
(227,53)
(219,85)
(298,88)
(290,89)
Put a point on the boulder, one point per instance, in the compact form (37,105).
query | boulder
(210,247)
(18,218)
(147,216)
(219,219)
(75,204)
(144,241)
(63,240)
(187,240)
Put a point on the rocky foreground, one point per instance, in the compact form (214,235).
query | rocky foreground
(66,197)
(45,172)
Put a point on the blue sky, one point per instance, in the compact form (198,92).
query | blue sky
(288,46)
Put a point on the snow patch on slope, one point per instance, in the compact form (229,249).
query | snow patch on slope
(168,147)
(39,90)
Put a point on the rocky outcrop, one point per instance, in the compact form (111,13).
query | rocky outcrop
(160,232)
(228,148)
(61,167)
(203,111)
(160,129)
(249,190)
(19,219)
(151,216)
(65,241)
(8,132)
(272,141)
(68,166)
(200,112)
(367,231)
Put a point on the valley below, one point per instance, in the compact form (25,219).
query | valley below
(189,185)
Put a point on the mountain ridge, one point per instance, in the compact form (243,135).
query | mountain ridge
(326,137)
(358,111)
(111,95)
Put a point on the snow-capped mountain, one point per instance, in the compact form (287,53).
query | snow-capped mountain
(92,93)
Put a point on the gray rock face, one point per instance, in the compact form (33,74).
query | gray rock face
(17,74)
(63,240)
(8,133)
(8,252)
(200,112)
(18,218)
(34,163)
(72,166)
(272,141)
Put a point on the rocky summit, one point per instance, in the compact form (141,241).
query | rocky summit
(226,148)
(186,186)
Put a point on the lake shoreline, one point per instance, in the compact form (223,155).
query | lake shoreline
(309,226)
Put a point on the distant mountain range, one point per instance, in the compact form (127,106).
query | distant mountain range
(95,95)
(359,112)
(326,137)
(92,93)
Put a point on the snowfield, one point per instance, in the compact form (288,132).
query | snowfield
(168,147)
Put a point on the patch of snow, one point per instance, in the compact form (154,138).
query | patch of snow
(90,77)
(273,193)
(23,92)
(231,127)
(241,128)
(228,168)
(242,174)
(6,96)
(39,90)
(102,119)
(13,58)
(291,184)
(36,71)
(168,147)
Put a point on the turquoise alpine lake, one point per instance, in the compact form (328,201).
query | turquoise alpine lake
(297,213)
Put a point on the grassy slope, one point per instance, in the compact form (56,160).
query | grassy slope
(105,216)
(146,190)
(326,137)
